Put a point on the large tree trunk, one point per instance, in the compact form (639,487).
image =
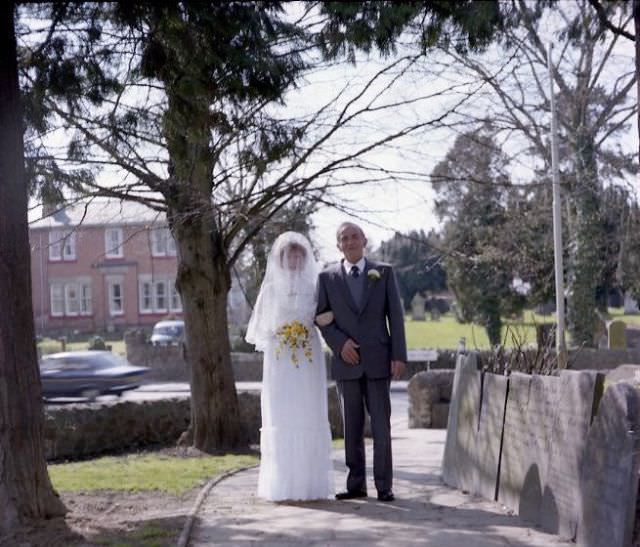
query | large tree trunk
(203,278)
(636,19)
(204,282)
(25,488)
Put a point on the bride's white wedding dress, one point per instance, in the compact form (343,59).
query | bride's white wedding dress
(295,439)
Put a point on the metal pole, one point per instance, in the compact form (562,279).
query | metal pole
(561,347)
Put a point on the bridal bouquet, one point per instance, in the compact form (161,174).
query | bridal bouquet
(295,336)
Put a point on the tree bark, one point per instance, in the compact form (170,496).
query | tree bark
(636,20)
(204,282)
(25,489)
(203,278)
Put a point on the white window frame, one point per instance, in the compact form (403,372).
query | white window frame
(157,295)
(70,298)
(157,284)
(115,311)
(62,245)
(175,302)
(86,299)
(56,301)
(145,293)
(113,246)
(55,246)
(162,243)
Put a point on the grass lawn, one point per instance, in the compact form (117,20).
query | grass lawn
(144,472)
(446,332)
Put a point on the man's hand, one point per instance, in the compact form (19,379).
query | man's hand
(397,368)
(349,352)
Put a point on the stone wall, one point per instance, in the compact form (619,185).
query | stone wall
(429,397)
(167,363)
(79,431)
(554,449)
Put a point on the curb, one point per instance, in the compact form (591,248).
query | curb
(183,540)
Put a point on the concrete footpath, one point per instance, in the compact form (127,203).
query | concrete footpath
(426,512)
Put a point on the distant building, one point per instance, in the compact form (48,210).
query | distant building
(104,266)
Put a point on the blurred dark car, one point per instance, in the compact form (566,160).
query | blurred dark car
(88,374)
(168,333)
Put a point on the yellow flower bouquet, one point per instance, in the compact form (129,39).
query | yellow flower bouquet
(295,336)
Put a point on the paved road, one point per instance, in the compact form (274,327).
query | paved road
(166,390)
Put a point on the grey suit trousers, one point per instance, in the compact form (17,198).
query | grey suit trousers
(374,394)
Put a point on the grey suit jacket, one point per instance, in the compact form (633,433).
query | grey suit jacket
(377,326)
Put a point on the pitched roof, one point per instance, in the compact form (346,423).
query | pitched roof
(101,212)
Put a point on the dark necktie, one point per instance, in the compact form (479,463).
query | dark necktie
(355,271)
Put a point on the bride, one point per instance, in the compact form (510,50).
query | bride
(295,439)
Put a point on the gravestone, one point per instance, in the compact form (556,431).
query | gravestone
(609,473)
(491,420)
(515,447)
(460,453)
(632,334)
(616,334)
(630,304)
(417,307)
(429,395)
(559,512)
(624,373)
(529,420)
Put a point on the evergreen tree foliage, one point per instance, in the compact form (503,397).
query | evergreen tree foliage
(417,261)
(472,186)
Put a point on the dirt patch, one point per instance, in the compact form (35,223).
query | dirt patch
(108,518)
(103,518)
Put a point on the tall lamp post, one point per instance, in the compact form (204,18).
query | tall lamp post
(561,347)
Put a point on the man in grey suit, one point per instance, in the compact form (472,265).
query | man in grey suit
(366,336)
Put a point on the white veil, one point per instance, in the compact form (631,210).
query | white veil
(288,290)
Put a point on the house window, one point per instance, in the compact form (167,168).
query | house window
(116,306)
(162,242)
(175,303)
(158,295)
(70,298)
(113,243)
(85,299)
(146,296)
(57,300)
(62,245)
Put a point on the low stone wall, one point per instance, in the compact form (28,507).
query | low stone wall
(167,363)
(79,431)
(602,359)
(554,449)
(429,397)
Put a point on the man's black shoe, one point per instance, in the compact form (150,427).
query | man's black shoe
(386,496)
(351,494)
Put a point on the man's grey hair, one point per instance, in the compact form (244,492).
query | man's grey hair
(346,225)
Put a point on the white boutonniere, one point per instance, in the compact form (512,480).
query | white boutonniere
(374,274)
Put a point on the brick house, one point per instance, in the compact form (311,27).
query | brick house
(102,266)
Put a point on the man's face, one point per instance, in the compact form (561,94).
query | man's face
(351,242)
